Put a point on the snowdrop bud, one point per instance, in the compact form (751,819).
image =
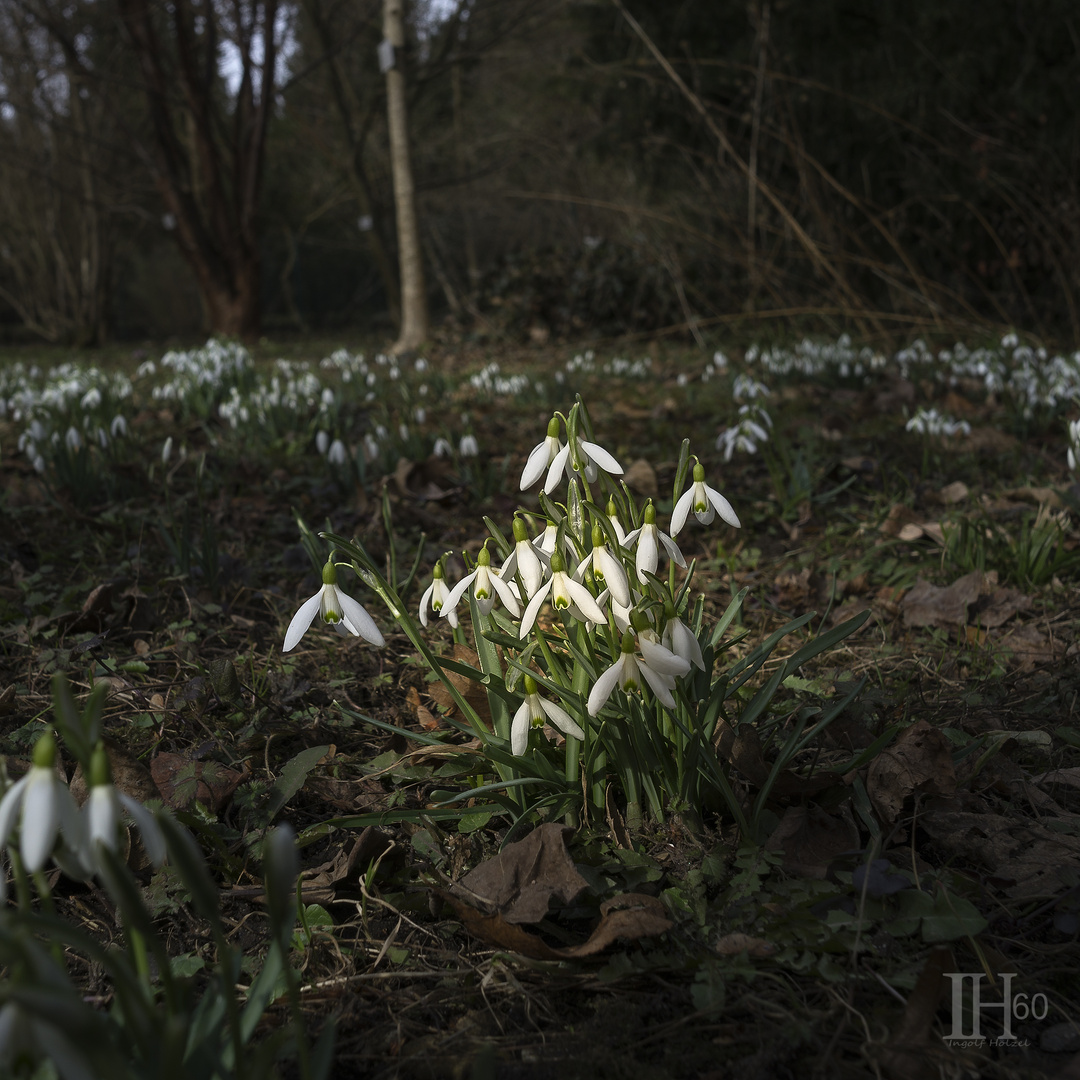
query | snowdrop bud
(322,442)
(166,451)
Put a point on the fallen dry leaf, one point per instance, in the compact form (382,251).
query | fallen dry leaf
(522,880)
(953,493)
(920,761)
(1034,858)
(182,780)
(1029,647)
(630,916)
(998,606)
(424,716)
(933,605)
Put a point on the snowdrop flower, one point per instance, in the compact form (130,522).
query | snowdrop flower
(532,712)
(648,540)
(658,667)
(166,451)
(566,593)
(681,640)
(523,560)
(91,399)
(590,458)
(706,502)
(336,609)
(606,568)
(322,442)
(442,448)
(542,457)
(1074,444)
(468,447)
(337,454)
(73,439)
(435,597)
(48,810)
(371,447)
(103,809)
(486,586)
(613,517)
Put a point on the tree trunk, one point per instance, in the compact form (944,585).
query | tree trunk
(414,319)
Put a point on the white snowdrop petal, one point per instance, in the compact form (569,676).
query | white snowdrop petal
(601,457)
(672,549)
(660,685)
(604,686)
(506,594)
(456,593)
(361,621)
(301,621)
(561,719)
(535,466)
(425,602)
(519,730)
(585,601)
(529,618)
(682,509)
(723,507)
(660,659)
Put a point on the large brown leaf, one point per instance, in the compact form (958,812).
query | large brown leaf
(920,761)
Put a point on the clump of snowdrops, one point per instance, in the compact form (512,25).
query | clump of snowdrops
(155,1018)
(602,673)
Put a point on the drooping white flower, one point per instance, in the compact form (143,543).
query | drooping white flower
(541,458)
(681,640)
(468,447)
(616,524)
(590,458)
(658,667)
(523,560)
(606,568)
(336,609)
(322,441)
(648,540)
(337,454)
(102,812)
(532,712)
(442,448)
(1074,444)
(566,594)
(72,439)
(166,451)
(705,501)
(435,597)
(48,810)
(486,586)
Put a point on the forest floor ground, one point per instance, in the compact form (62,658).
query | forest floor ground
(831,949)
